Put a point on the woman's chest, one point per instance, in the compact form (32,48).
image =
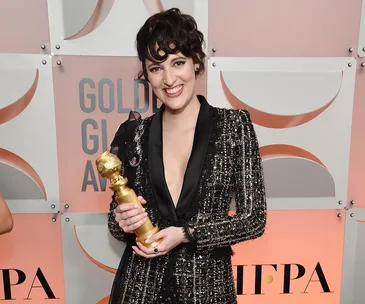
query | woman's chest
(199,174)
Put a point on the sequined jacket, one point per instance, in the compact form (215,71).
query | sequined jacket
(225,161)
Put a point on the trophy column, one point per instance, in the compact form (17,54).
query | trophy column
(109,166)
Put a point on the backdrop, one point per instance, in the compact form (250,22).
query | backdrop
(68,79)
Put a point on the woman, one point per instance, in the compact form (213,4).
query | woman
(6,220)
(185,162)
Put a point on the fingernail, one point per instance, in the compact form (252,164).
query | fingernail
(148,241)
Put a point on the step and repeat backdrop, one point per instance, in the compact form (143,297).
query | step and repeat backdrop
(68,78)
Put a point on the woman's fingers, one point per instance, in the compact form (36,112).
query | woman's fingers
(147,253)
(132,219)
(134,226)
(142,200)
(130,216)
(130,213)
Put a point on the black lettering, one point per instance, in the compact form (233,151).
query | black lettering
(321,277)
(7,284)
(240,282)
(287,274)
(258,277)
(44,284)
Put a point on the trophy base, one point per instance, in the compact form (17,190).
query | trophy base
(142,238)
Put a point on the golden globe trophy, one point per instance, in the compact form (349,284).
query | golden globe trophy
(109,166)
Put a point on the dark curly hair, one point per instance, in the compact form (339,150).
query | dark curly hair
(172,32)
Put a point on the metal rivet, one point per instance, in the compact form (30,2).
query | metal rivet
(58,46)
(339,214)
(363,64)
(352,202)
(214,49)
(214,64)
(67,219)
(59,62)
(350,64)
(363,49)
(351,214)
(351,49)
(53,219)
(53,206)
(340,202)
(44,62)
(67,206)
(43,46)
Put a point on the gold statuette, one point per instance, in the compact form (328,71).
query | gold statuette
(109,166)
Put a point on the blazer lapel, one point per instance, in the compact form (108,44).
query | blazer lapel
(156,169)
(197,157)
(194,166)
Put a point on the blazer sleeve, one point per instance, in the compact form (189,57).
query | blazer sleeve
(249,222)
(119,146)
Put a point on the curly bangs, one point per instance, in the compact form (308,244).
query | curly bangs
(171,32)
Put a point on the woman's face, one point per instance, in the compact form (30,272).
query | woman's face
(173,81)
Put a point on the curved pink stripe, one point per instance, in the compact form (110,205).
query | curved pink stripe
(14,109)
(101,265)
(104,300)
(153,6)
(271,151)
(273,121)
(102,10)
(19,163)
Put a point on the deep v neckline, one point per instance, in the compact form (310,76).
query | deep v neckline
(187,164)
(194,166)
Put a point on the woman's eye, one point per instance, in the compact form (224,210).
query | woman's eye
(180,63)
(155,69)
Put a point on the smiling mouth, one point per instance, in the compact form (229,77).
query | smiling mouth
(174,91)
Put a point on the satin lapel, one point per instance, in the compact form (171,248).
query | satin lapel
(197,157)
(156,169)
(194,166)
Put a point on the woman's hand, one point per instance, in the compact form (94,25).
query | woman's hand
(130,216)
(170,238)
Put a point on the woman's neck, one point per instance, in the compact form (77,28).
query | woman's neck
(183,119)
